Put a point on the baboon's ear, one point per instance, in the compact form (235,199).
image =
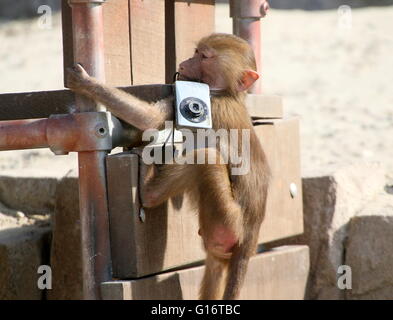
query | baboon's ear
(247,80)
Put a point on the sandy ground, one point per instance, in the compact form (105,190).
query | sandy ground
(31,60)
(338,80)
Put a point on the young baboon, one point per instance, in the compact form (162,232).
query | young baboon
(231,207)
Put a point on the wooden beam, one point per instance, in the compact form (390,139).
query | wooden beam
(145,40)
(141,248)
(148,35)
(284,213)
(182,17)
(117,43)
(264,106)
(33,105)
(41,104)
(169,236)
(280,274)
(68,46)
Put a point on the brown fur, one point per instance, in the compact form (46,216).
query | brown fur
(232,204)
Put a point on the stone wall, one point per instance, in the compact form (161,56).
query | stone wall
(348,220)
(348,217)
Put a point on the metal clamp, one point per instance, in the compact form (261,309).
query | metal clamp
(246,9)
(88,131)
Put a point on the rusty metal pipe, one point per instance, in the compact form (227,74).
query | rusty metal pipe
(23,134)
(64,133)
(88,35)
(88,43)
(250,30)
(246,24)
(93,206)
(89,51)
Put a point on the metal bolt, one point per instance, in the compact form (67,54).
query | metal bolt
(101,131)
(293,190)
(142,215)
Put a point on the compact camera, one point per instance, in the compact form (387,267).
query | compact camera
(192,106)
(192,110)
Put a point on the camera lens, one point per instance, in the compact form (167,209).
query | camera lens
(195,108)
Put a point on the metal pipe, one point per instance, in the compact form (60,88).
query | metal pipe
(88,43)
(246,24)
(88,50)
(23,134)
(250,30)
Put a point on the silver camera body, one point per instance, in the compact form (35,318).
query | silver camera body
(192,105)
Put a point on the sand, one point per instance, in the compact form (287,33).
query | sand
(337,80)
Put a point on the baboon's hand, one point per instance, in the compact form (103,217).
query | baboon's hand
(77,78)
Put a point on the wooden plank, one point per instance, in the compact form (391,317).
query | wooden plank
(182,17)
(117,43)
(168,238)
(258,106)
(68,51)
(150,92)
(193,20)
(33,105)
(147,27)
(122,181)
(284,213)
(264,106)
(145,40)
(280,274)
(159,243)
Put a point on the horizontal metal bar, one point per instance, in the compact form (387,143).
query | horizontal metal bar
(246,16)
(88,131)
(23,134)
(246,9)
(79,132)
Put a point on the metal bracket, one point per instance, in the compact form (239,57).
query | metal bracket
(245,9)
(88,131)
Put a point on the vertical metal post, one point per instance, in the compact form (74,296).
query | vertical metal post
(88,46)
(246,21)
